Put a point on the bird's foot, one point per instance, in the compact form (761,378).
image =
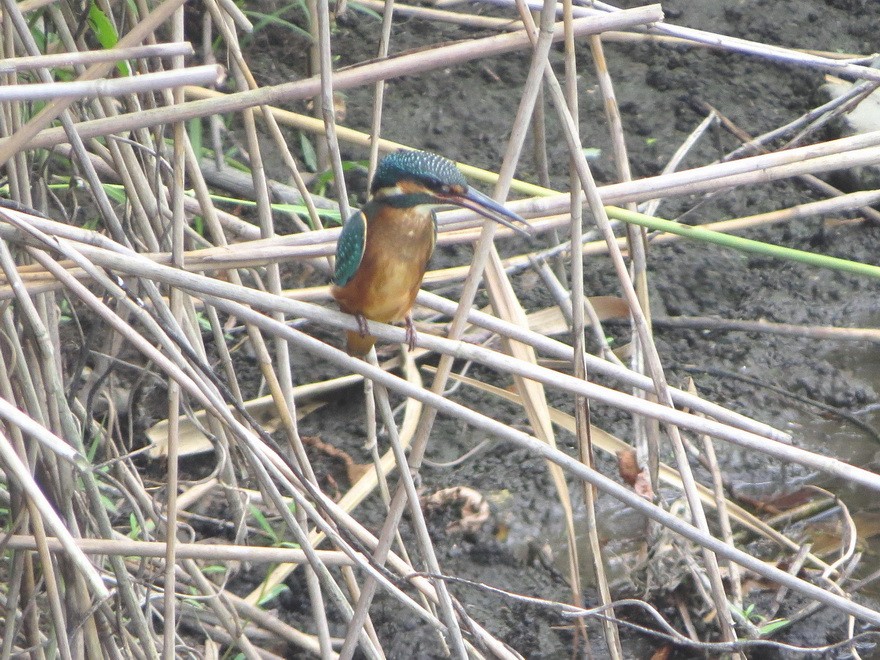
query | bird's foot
(363,328)
(411,333)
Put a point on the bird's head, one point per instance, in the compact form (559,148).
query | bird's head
(414,178)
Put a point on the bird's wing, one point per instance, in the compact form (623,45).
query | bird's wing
(350,248)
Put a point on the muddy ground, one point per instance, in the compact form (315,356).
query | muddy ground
(465,112)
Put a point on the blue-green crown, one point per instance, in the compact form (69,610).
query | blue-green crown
(421,166)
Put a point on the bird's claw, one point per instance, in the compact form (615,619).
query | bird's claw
(363,328)
(411,333)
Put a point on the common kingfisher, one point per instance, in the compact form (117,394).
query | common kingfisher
(384,248)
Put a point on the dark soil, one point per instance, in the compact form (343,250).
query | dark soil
(465,113)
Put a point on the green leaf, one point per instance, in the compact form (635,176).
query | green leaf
(214,569)
(772,626)
(204,323)
(310,158)
(264,524)
(116,192)
(274,18)
(194,129)
(272,593)
(134,525)
(356,6)
(106,34)
(107,503)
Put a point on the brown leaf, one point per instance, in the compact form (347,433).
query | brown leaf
(356,470)
(628,466)
(663,653)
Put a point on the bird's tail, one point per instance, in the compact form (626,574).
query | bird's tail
(359,345)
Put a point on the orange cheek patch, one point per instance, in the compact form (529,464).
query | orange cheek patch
(407,187)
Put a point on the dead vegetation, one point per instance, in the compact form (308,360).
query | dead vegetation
(138,277)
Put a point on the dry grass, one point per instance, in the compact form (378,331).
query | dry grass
(89,551)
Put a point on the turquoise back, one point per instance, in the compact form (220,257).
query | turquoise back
(350,248)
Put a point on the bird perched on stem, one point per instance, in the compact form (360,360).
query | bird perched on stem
(384,248)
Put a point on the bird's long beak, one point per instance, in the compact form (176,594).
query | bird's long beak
(489,208)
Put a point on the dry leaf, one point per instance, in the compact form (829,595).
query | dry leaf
(663,653)
(193,441)
(474,509)
(628,466)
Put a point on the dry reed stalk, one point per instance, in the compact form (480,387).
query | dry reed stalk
(504,299)
(261,252)
(790,329)
(401,65)
(736,45)
(572,466)
(164,329)
(81,58)
(15,144)
(642,329)
(583,425)
(202,551)
(148,82)
(133,265)
(668,475)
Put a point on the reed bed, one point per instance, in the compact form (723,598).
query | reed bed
(126,268)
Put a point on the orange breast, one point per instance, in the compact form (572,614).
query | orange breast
(399,245)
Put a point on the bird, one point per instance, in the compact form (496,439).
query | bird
(384,248)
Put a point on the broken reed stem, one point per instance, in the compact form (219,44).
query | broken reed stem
(726,43)
(201,551)
(503,430)
(387,10)
(176,305)
(84,57)
(651,206)
(151,233)
(198,284)
(401,65)
(583,426)
(500,298)
(149,24)
(539,448)
(104,87)
(321,10)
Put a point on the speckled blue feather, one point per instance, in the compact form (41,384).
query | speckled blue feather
(350,248)
(419,166)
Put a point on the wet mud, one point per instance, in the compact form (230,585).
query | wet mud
(465,112)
